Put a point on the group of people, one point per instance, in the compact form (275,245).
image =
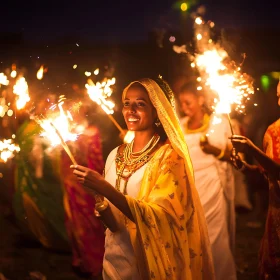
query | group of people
(164,206)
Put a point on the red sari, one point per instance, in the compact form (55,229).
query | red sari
(269,255)
(85,231)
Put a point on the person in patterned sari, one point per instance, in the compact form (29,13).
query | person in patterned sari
(269,160)
(38,197)
(85,231)
(156,226)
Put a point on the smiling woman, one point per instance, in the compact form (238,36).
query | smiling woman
(156,226)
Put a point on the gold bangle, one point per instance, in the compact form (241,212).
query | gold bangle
(222,153)
(101,206)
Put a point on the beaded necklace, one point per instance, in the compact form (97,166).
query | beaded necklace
(128,162)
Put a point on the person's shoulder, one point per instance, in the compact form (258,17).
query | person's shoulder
(273,128)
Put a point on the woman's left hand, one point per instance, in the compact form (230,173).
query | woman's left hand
(89,178)
(206,146)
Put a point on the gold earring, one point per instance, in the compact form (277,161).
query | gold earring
(157,122)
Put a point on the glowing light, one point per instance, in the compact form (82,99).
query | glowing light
(3,79)
(7,149)
(96,71)
(225,83)
(129,136)
(88,74)
(172,39)
(99,93)
(75,66)
(198,79)
(13,73)
(10,112)
(192,64)
(21,89)
(265,82)
(184,7)
(198,20)
(40,73)
(61,121)
(199,88)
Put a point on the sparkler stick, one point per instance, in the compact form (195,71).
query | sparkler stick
(115,123)
(64,145)
(229,121)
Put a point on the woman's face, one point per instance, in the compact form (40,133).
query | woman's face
(190,104)
(138,111)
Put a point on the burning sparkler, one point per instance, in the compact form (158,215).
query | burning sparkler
(57,129)
(7,149)
(99,93)
(219,74)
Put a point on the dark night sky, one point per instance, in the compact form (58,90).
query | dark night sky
(123,20)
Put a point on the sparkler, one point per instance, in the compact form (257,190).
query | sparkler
(218,73)
(99,93)
(57,130)
(7,149)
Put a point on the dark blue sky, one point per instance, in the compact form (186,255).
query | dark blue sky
(123,20)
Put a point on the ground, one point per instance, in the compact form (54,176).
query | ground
(20,260)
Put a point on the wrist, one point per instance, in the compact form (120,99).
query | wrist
(101,206)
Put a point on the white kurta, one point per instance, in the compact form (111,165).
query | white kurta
(215,185)
(119,262)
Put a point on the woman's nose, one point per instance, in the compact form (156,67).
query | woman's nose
(131,108)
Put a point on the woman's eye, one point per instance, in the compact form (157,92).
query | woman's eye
(125,104)
(141,104)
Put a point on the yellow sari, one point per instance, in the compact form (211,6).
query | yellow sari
(171,241)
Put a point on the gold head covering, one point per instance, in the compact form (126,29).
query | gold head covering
(168,118)
(171,241)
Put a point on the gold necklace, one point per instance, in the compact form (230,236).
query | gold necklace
(128,163)
(205,124)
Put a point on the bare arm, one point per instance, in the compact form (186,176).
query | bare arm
(93,181)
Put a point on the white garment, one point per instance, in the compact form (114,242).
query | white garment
(119,262)
(215,185)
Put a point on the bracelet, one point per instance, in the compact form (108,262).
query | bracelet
(101,206)
(222,153)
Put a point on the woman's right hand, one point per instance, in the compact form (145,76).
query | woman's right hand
(241,143)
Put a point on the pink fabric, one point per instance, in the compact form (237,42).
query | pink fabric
(85,231)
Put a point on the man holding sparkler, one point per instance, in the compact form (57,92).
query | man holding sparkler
(156,226)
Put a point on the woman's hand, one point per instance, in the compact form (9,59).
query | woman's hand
(89,178)
(241,143)
(206,146)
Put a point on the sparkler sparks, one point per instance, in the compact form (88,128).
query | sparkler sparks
(57,122)
(21,89)
(99,93)
(3,79)
(7,149)
(219,73)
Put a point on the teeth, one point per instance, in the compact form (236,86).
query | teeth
(132,120)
